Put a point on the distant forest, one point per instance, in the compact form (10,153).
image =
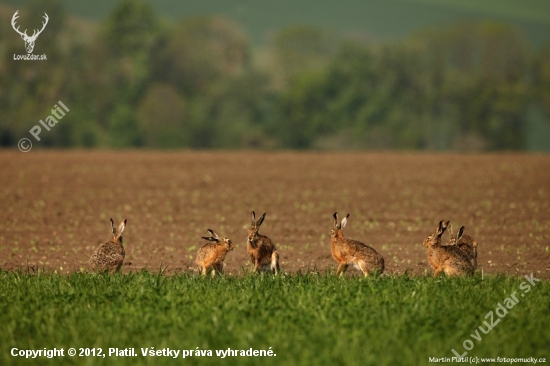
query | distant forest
(136,79)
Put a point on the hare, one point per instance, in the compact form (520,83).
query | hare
(449,259)
(109,256)
(260,248)
(347,251)
(466,243)
(210,257)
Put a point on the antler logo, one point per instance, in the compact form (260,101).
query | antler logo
(29,41)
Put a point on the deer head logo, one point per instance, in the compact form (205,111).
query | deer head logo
(29,41)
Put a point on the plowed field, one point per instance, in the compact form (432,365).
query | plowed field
(56,206)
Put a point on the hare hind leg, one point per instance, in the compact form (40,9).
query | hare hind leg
(342,267)
(474,258)
(218,268)
(437,271)
(458,269)
(363,267)
(275,263)
(115,263)
(256,265)
(451,271)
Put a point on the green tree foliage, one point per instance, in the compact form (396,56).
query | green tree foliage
(135,80)
(542,78)
(127,39)
(465,88)
(164,114)
(201,51)
(483,75)
(28,89)
(233,113)
(301,48)
(124,128)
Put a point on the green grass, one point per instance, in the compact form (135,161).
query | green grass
(306,319)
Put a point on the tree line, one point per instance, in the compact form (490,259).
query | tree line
(137,80)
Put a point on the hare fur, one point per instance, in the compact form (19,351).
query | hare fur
(448,259)
(466,243)
(260,248)
(109,256)
(347,251)
(210,256)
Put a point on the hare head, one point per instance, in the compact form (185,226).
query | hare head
(227,243)
(435,238)
(336,233)
(455,239)
(253,235)
(117,232)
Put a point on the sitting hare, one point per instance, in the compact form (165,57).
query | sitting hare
(449,259)
(466,243)
(347,251)
(260,248)
(109,256)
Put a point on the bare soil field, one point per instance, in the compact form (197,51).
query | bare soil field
(56,207)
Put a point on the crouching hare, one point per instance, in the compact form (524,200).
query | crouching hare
(210,256)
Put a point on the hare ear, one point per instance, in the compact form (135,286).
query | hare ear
(253,218)
(209,238)
(260,220)
(450,228)
(344,221)
(121,227)
(213,234)
(460,233)
(441,228)
(113,226)
(335,216)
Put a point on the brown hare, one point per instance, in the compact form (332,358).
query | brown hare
(466,243)
(449,259)
(260,248)
(210,256)
(109,256)
(347,251)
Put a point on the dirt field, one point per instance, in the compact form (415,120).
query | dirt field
(56,206)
